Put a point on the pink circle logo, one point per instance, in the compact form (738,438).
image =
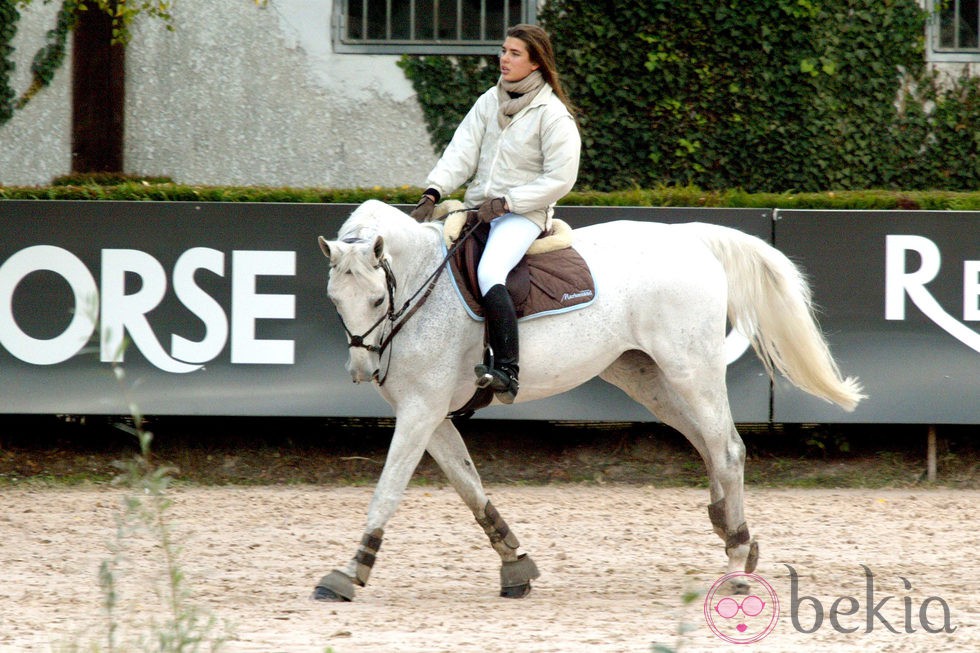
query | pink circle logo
(741,619)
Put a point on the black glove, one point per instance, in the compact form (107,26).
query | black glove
(492,208)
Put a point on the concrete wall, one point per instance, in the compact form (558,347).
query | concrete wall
(35,144)
(236,94)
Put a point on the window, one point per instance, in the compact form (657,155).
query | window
(954,30)
(426,26)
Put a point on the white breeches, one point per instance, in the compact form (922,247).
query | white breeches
(510,237)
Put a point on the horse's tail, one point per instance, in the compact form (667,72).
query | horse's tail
(769,302)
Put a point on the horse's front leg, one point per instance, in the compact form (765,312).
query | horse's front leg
(413,428)
(516,570)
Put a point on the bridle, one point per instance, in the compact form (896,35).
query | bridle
(397,319)
(390,315)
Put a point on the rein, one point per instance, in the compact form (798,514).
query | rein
(398,318)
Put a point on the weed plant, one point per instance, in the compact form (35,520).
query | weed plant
(144,540)
(683,626)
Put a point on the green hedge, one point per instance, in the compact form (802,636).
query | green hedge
(146,190)
(763,95)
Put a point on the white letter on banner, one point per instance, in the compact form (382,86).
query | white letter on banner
(898,282)
(122,312)
(201,304)
(85,311)
(971,290)
(247,306)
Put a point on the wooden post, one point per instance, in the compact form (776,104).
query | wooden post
(98,95)
(931,455)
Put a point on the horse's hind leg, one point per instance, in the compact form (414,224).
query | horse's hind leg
(449,451)
(702,414)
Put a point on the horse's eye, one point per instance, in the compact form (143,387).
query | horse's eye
(377,302)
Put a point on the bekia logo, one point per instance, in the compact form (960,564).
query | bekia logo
(741,619)
(745,619)
(851,614)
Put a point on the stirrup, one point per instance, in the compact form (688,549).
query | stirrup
(503,384)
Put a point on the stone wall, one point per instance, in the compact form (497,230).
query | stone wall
(236,94)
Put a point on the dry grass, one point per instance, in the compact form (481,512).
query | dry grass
(264,451)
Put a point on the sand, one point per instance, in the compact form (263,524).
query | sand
(616,562)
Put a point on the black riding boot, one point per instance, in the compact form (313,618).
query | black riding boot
(501,374)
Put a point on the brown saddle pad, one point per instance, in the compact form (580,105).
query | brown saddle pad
(552,281)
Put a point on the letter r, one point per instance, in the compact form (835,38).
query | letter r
(898,282)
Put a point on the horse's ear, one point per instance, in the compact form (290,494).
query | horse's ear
(379,247)
(324,246)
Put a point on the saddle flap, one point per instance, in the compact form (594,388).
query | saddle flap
(553,280)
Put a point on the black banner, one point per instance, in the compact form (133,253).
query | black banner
(899,293)
(221,309)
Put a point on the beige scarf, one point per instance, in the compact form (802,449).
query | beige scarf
(509,106)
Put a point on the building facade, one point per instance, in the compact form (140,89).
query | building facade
(293,92)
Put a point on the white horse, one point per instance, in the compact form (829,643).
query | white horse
(656,329)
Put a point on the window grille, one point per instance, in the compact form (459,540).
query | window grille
(426,26)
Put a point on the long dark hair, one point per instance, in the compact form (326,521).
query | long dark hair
(541,52)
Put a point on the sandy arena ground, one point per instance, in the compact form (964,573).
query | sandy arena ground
(615,562)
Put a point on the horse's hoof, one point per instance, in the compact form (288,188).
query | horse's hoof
(516,577)
(516,592)
(739,586)
(335,586)
(326,595)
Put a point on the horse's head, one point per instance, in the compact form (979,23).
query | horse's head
(361,287)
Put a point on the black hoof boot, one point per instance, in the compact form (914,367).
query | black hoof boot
(516,592)
(327,595)
(516,577)
(334,587)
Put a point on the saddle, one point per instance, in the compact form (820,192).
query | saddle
(551,278)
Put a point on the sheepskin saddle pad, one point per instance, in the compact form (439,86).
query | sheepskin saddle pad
(551,278)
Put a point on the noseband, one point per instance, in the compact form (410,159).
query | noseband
(397,319)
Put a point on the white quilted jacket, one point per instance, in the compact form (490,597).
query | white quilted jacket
(533,162)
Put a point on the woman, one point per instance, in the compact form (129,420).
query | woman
(520,144)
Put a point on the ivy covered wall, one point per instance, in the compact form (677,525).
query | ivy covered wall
(763,95)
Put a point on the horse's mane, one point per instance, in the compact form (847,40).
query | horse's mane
(362,223)
(374,217)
